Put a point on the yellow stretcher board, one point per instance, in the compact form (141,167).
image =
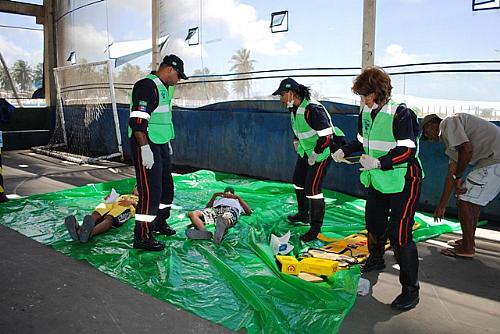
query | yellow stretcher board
(352,249)
(316,266)
(324,238)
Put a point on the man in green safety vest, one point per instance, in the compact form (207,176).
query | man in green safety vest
(387,133)
(314,134)
(150,131)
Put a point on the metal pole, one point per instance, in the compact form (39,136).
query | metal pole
(155,33)
(10,80)
(115,110)
(60,106)
(368,46)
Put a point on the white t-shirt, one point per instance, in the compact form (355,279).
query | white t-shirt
(231,202)
(482,134)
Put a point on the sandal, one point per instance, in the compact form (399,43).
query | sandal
(455,243)
(452,252)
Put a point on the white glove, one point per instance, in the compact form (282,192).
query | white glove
(295,144)
(312,159)
(338,155)
(369,162)
(170,149)
(147,156)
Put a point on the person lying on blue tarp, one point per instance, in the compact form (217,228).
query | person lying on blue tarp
(224,211)
(115,210)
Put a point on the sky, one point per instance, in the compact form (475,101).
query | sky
(322,33)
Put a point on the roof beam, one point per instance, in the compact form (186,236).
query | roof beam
(21,8)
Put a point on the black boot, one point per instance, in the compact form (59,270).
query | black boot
(302,204)
(317,212)
(160,224)
(376,248)
(144,239)
(3,198)
(407,258)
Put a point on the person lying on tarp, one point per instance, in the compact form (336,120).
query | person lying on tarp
(115,210)
(224,208)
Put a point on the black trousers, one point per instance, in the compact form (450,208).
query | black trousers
(394,213)
(155,185)
(310,177)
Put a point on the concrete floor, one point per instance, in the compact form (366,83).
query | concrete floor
(43,291)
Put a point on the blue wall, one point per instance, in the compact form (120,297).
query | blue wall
(28,127)
(255,139)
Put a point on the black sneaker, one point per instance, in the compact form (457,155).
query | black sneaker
(299,218)
(309,236)
(406,301)
(220,229)
(72,227)
(3,198)
(165,229)
(373,263)
(195,234)
(149,244)
(85,231)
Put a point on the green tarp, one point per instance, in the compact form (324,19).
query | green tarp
(237,283)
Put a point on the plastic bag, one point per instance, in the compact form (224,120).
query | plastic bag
(363,287)
(112,197)
(280,245)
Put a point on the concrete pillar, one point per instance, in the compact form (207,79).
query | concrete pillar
(368,46)
(155,33)
(49,51)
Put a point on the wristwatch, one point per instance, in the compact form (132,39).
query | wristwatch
(456,177)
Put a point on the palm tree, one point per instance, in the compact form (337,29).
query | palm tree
(316,94)
(38,75)
(22,74)
(242,64)
(4,80)
(130,73)
(209,90)
(195,90)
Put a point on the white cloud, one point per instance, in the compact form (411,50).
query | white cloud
(90,44)
(239,20)
(141,6)
(395,55)
(11,52)
(186,50)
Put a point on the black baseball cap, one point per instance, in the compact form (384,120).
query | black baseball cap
(229,190)
(176,63)
(286,85)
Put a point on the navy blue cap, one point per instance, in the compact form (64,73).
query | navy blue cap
(176,63)
(286,85)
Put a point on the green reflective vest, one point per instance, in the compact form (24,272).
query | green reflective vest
(378,140)
(306,135)
(160,126)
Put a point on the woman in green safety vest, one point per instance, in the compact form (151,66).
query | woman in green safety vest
(314,134)
(150,131)
(387,133)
